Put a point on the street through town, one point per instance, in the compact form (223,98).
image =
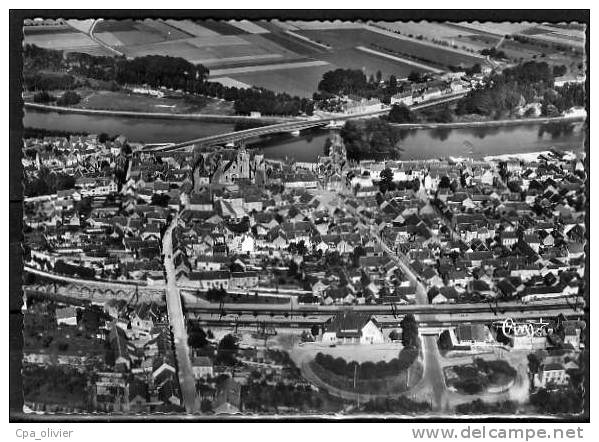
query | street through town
(177,322)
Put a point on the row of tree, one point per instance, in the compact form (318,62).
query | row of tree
(367,370)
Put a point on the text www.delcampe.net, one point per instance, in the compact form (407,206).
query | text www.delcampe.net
(491,432)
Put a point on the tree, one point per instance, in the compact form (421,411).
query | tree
(444,342)
(400,113)
(394,335)
(371,139)
(342,81)
(415,77)
(315,330)
(534,363)
(69,98)
(196,337)
(227,350)
(43,97)
(444,183)
(549,110)
(206,406)
(393,84)
(160,199)
(409,329)
(386,182)
(559,71)
(356,254)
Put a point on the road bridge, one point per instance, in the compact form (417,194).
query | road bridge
(288,127)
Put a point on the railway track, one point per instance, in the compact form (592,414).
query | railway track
(560,304)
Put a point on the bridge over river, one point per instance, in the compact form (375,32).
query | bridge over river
(287,127)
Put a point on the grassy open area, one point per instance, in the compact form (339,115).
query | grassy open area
(125,101)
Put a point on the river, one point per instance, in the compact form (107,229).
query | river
(416,143)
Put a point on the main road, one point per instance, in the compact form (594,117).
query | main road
(177,322)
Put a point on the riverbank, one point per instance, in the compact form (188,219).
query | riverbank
(472,142)
(264,120)
(491,123)
(159,115)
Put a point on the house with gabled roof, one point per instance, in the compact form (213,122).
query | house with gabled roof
(353,328)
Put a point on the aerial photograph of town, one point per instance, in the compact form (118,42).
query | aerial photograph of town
(304,218)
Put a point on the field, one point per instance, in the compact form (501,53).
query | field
(345,39)
(263,53)
(191,28)
(197,49)
(426,29)
(248,26)
(220,27)
(129,32)
(63,38)
(299,81)
(568,37)
(499,29)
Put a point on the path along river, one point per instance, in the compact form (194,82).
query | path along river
(474,142)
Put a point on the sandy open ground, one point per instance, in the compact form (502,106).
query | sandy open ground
(350,352)
(231,82)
